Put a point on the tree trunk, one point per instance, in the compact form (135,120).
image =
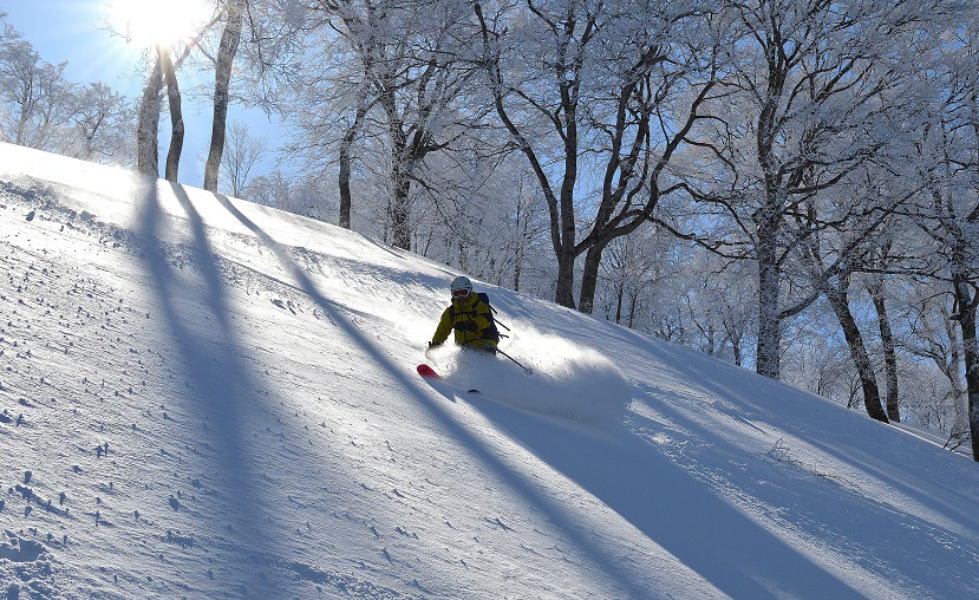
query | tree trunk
(176,116)
(589,277)
(767,360)
(343,180)
(967,302)
(950,367)
(888,345)
(858,353)
(619,294)
(736,348)
(21,135)
(227,49)
(972,377)
(564,295)
(561,211)
(147,129)
(400,175)
(564,243)
(517,269)
(399,210)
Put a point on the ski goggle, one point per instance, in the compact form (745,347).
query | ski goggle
(460,293)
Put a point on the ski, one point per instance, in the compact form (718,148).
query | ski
(427,371)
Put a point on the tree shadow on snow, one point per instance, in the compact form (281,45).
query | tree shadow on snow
(671,507)
(221,389)
(522,486)
(814,498)
(857,440)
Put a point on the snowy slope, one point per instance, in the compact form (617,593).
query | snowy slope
(205,398)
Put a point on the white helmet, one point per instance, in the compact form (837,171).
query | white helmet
(461,287)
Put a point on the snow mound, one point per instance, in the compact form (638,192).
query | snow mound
(25,569)
(566,380)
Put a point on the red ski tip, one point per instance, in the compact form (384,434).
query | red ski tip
(427,371)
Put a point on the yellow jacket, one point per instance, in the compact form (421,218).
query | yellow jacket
(472,320)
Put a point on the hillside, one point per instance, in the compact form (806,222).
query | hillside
(205,398)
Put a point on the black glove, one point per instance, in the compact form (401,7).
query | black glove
(465,326)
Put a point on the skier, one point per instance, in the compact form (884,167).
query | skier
(470,316)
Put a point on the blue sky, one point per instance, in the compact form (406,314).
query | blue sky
(74,31)
(71,30)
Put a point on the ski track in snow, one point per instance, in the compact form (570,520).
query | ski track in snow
(191,408)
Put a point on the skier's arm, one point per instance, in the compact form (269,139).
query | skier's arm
(443,329)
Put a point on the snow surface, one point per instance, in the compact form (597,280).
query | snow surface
(205,398)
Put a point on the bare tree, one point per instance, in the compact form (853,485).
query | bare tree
(633,265)
(162,70)
(949,171)
(299,195)
(954,229)
(101,117)
(239,158)
(933,336)
(814,81)
(41,109)
(346,156)
(411,73)
(36,92)
(892,403)
(148,123)
(176,114)
(228,47)
(876,286)
(578,79)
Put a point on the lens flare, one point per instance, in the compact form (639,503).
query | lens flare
(147,23)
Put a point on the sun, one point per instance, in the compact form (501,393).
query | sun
(146,23)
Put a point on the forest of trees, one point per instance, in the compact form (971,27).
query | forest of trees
(790,185)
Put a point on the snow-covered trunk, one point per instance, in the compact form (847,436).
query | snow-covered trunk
(25,114)
(768,355)
(768,218)
(972,377)
(560,205)
(957,386)
(227,49)
(888,347)
(148,125)
(88,152)
(839,300)
(967,302)
(346,160)
(176,117)
(399,212)
(567,69)
(26,98)
(710,335)
(400,173)
(736,349)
